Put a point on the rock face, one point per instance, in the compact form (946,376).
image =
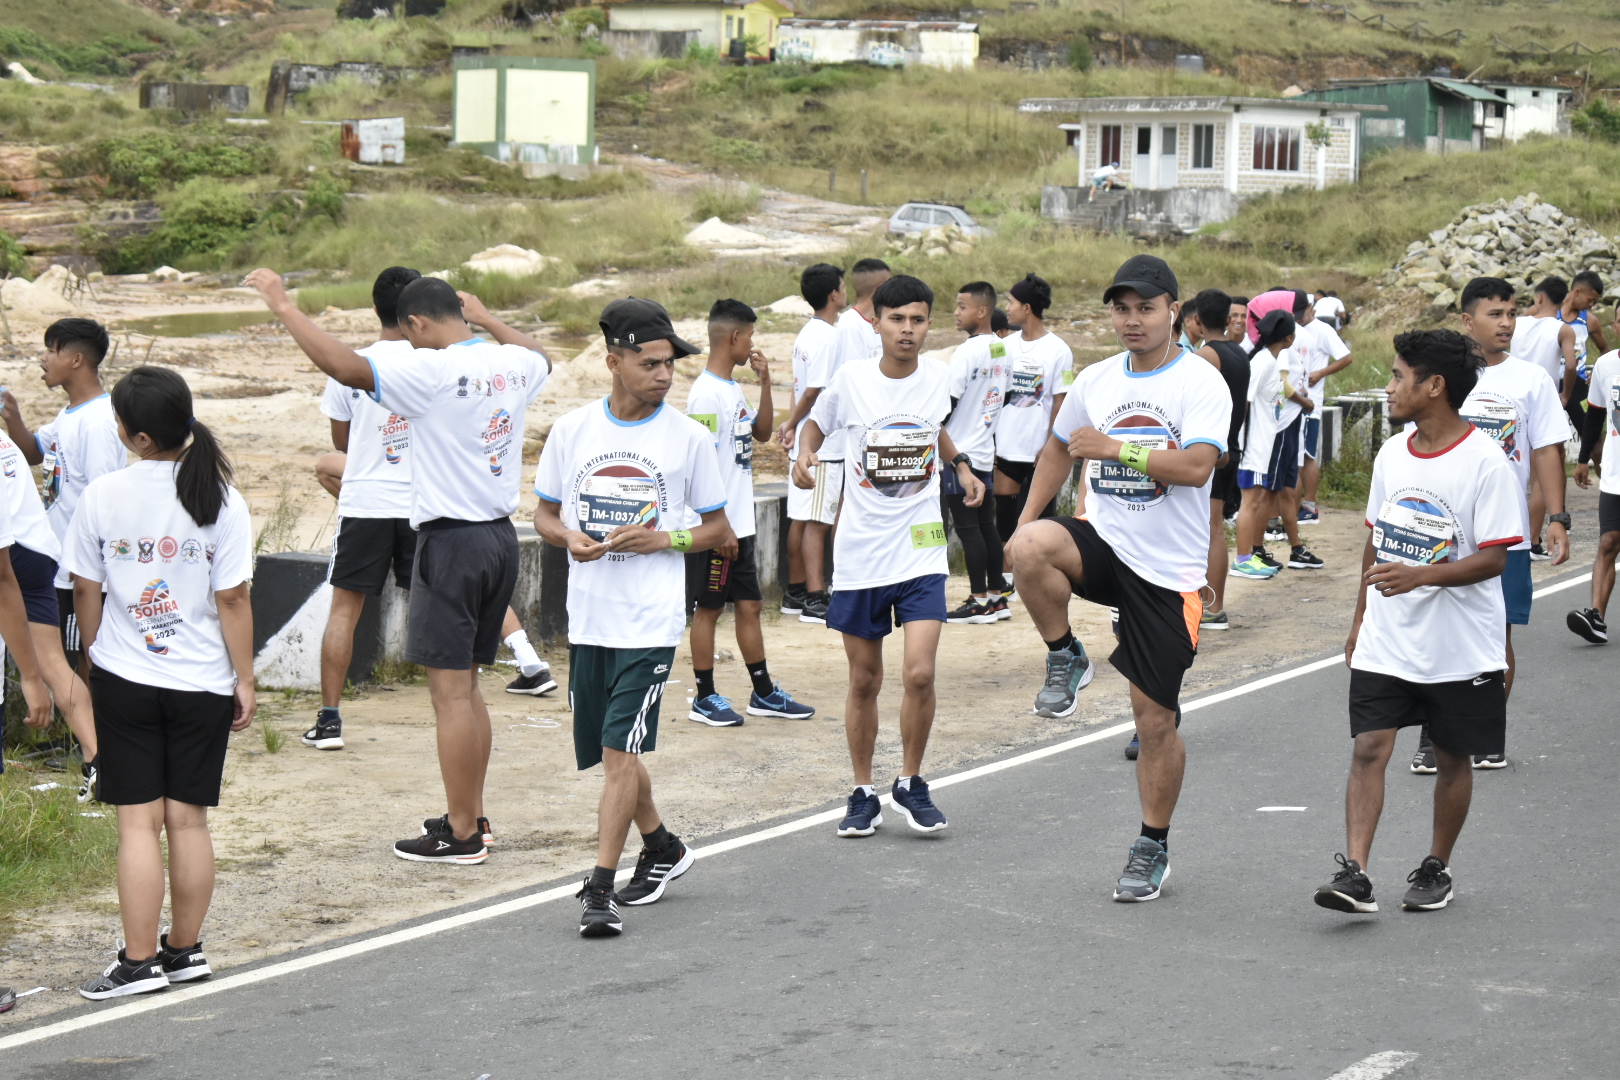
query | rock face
(1521,241)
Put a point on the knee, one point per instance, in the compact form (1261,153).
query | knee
(865,682)
(1372,750)
(918,676)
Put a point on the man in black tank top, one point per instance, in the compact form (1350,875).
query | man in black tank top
(1209,315)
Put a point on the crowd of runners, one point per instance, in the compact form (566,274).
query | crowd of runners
(1209,417)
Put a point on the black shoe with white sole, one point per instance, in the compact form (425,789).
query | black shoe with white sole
(1350,890)
(654,871)
(1539,553)
(1589,624)
(814,609)
(90,780)
(1431,886)
(183,965)
(539,683)
(793,601)
(1300,558)
(326,734)
(599,912)
(1490,761)
(443,822)
(123,978)
(439,844)
(1424,760)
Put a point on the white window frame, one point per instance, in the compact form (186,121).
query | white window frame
(1285,142)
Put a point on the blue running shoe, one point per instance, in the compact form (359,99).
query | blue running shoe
(1134,747)
(1145,871)
(863,815)
(715,711)
(917,807)
(779,703)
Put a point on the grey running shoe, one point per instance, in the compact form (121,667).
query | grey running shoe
(1068,671)
(1431,886)
(1145,871)
(1350,890)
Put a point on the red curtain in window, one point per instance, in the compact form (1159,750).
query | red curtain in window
(1112,136)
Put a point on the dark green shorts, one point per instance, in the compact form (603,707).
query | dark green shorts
(615,694)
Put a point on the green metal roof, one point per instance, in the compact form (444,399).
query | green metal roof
(1469,90)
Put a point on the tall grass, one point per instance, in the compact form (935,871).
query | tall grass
(48,850)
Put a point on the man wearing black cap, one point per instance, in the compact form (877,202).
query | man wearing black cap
(465,398)
(1149,423)
(620,482)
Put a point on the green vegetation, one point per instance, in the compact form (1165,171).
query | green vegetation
(1597,121)
(139,166)
(49,850)
(728,202)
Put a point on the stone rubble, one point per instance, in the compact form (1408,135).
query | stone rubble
(936,243)
(1521,241)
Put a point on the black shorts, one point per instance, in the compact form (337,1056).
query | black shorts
(1468,716)
(461,586)
(155,743)
(1284,465)
(1608,511)
(1158,627)
(1019,472)
(364,549)
(1223,485)
(68,623)
(713,582)
(36,577)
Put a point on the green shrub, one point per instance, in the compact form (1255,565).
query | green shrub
(140,166)
(12,262)
(1080,53)
(324,197)
(104,57)
(728,202)
(1597,121)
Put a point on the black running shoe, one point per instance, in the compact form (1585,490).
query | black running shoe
(815,609)
(1423,761)
(1490,761)
(183,965)
(123,978)
(999,608)
(1265,556)
(1350,890)
(1538,553)
(1590,625)
(439,844)
(90,780)
(654,870)
(325,735)
(1301,559)
(539,683)
(793,602)
(973,610)
(599,911)
(443,822)
(1431,886)
(1134,747)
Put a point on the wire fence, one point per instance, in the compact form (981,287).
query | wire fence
(1419,30)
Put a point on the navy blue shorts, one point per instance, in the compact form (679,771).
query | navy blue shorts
(36,577)
(866,612)
(951,484)
(1311,436)
(1516,587)
(1284,470)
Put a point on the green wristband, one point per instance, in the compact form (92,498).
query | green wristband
(681,540)
(1135,456)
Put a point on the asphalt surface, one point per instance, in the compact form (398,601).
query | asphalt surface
(994,948)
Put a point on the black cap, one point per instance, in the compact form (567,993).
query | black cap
(631,323)
(1147,276)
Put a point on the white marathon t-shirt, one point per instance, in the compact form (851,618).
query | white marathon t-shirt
(1603,392)
(890,529)
(815,358)
(1515,404)
(79,445)
(29,526)
(978,369)
(1265,407)
(1159,530)
(1035,378)
(377,470)
(857,338)
(1330,308)
(1535,340)
(604,472)
(159,623)
(466,405)
(1317,345)
(1292,375)
(1425,509)
(719,405)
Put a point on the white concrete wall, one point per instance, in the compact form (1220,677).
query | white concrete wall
(950,49)
(706,19)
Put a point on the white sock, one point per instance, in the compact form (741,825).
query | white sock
(866,789)
(905,783)
(529,662)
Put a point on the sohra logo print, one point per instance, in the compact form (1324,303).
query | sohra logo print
(1142,423)
(498,439)
(396,433)
(1414,527)
(898,456)
(156,615)
(1027,384)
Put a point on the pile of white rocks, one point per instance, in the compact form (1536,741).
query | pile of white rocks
(1521,241)
(936,243)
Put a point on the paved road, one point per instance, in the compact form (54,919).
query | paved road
(994,949)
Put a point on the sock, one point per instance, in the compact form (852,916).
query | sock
(1161,835)
(705,681)
(762,679)
(795,588)
(1307,504)
(602,877)
(904,783)
(657,839)
(1064,642)
(329,715)
(866,789)
(528,660)
(1259,549)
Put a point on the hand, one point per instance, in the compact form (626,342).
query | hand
(638,540)
(760,366)
(473,309)
(804,470)
(1583,472)
(1395,578)
(1308,405)
(38,697)
(247,703)
(583,548)
(1318,376)
(728,548)
(9,412)
(784,435)
(1088,442)
(972,486)
(270,286)
(1350,644)
(1557,542)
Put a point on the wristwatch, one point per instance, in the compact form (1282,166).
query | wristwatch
(1558,519)
(963,459)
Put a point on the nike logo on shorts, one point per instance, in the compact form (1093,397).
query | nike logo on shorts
(1482,680)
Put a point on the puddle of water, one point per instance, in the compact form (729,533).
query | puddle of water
(196,323)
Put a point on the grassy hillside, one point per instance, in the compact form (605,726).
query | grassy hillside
(83,37)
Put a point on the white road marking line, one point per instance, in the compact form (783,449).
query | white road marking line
(1376,1066)
(1548,590)
(523,903)
(1274,809)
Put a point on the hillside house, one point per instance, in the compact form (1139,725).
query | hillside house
(950,45)
(717,23)
(1447,116)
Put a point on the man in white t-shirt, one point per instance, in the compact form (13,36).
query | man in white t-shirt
(1331,310)
(628,484)
(1040,369)
(1104,179)
(466,399)
(890,565)
(1321,353)
(1600,445)
(979,369)
(817,354)
(729,573)
(1426,641)
(1150,424)
(857,329)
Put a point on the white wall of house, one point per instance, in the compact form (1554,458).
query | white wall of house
(706,19)
(846,41)
(1534,111)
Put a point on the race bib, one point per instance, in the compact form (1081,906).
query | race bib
(1498,419)
(899,455)
(928,535)
(51,469)
(1413,532)
(743,444)
(606,502)
(998,350)
(1028,384)
(1117,478)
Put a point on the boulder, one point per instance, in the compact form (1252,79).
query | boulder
(509,259)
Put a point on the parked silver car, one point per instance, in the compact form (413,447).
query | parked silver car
(918,217)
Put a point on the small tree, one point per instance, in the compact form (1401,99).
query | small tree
(1080,53)
(1597,121)
(1319,134)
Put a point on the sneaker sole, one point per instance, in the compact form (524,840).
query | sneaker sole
(1305,566)
(1491,764)
(1003,615)
(601,929)
(1252,577)
(191,974)
(812,619)
(324,744)
(784,609)
(1338,901)
(1585,629)
(465,860)
(868,831)
(701,719)
(1424,770)
(546,689)
(1540,558)
(913,821)
(1407,905)
(1130,898)
(780,715)
(1214,626)
(676,871)
(141,986)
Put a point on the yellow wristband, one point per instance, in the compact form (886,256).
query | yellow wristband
(681,540)
(1135,456)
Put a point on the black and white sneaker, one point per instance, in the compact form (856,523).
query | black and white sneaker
(1538,553)
(1490,761)
(539,683)
(814,609)
(1431,886)
(90,780)
(1350,890)
(1275,531)
(655,870)
(1589,624)
(1265,556)
(973,610)
(793,602)
(1423,761)
(122,978)
(439,844)
(183,965)
(1300,558)
(599,911)
(443,822)
(325,735)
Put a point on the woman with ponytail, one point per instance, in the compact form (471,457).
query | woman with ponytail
(171,653)
(1259,470)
